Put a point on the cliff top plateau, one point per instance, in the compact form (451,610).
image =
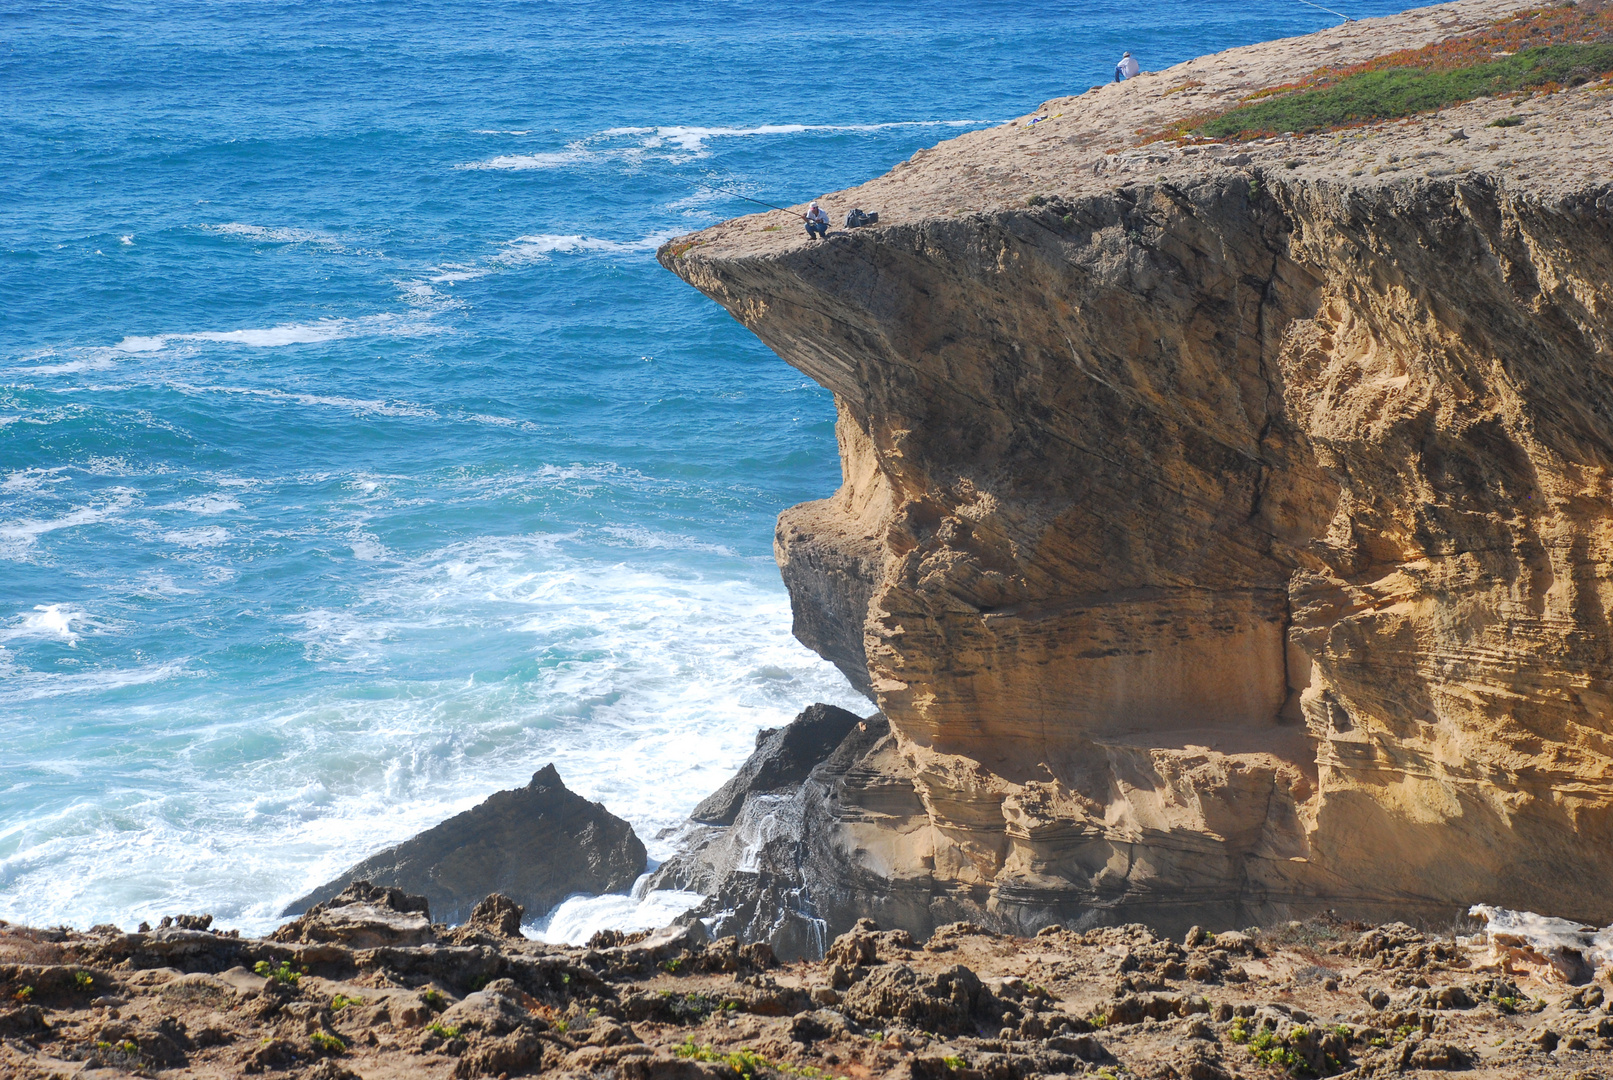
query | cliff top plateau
(1086,144)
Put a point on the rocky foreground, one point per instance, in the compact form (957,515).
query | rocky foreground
(366,986)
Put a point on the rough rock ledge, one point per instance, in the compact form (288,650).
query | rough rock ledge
(1225,531)
(1310,999)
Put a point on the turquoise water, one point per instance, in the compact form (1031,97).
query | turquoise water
(356,458)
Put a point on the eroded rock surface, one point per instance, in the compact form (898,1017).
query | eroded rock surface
(1321,998)
(1224,531)
(534,845)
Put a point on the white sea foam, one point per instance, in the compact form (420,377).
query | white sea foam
(680,139)
(357,406)
(526,249)
(17,536)
(552,159)
(205,537)
(578,918)
(22,686)
(21,480)
(46,621)
(270,235)
(211,504)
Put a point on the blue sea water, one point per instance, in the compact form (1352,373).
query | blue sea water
(356,457)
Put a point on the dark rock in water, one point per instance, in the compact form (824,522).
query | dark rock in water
(535,845)
(783,757)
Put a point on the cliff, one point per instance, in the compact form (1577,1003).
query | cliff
(1224,528)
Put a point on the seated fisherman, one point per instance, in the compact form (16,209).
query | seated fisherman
(1127,68)
(817,221)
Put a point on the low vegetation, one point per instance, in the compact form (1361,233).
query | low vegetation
(1545,50)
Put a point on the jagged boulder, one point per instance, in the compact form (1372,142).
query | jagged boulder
(536,845)
(784,756)
(363,916)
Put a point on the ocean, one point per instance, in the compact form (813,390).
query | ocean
(357,458)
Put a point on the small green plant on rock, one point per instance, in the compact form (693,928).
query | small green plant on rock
(83,982)
(282,974)
(330,1044)
(1268,1049)
(447,1033)
(746,1062)
(1237,1032)
(22,996)
(953,1062)
(434,999)
(1505,121)
(342,1001)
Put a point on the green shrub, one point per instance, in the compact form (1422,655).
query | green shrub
(330,1044)
(282,974)
(1505,121)
(342,1001)
(444,1032)
(83,982)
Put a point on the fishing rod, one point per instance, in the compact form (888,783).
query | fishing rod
(717,186)
(758,202)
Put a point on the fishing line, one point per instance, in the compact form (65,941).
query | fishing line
(1329,10)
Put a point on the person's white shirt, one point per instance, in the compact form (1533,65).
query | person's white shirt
(817,213)
(1128,67)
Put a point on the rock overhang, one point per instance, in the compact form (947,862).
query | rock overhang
(1143,439)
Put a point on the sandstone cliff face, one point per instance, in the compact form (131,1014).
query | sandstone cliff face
(1230,530)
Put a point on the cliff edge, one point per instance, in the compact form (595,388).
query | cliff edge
(1225,527)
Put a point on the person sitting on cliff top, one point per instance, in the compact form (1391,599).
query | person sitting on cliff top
(1127,68)
(817,221)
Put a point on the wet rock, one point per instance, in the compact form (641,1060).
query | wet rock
(535,845)
(783,757)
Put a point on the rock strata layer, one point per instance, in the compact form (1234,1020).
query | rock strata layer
(1224,530)
(536,845)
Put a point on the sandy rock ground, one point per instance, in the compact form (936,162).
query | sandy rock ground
(1302,999)
(1104,138)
